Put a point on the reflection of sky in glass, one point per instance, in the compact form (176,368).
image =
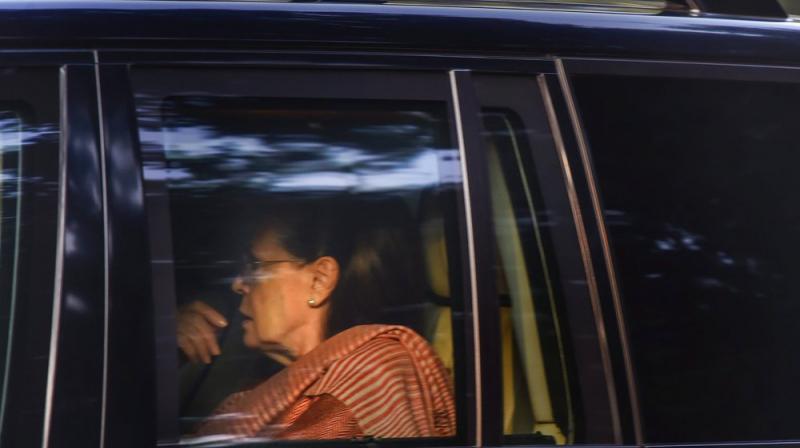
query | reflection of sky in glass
(10,143)
(419,172)
(13,137)
(272,147)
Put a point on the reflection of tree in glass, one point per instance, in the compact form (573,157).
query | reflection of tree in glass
(14,136)
(673,257)
(280,145)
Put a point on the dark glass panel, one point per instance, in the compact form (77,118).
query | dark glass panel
(698,181)
(29,137)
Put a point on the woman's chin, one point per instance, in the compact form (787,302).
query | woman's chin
(249,339)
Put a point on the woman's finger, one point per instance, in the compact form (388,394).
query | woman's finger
(208,334)
(201,333)
(210,314)
(190,343)
(197,326)
(188,348)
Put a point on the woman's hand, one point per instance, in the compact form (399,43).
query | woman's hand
(197,331)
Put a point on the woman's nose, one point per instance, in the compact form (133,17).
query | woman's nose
(239,286)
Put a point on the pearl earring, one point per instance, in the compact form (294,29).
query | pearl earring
(312,303)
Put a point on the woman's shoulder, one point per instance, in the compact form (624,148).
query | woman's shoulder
(392,375)
(371,332)
(377,353)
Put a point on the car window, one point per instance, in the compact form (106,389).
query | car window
(697,181)
(10,187)
(311,287)
(554,385)
(29,157)
(535,394)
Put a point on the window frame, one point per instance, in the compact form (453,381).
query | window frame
(53,382)
(304,84)
(531,98)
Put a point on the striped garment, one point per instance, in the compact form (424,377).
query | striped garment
(370,380)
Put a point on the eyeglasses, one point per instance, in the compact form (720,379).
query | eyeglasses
(251,264)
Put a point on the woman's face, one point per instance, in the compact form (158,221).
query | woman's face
(275,295)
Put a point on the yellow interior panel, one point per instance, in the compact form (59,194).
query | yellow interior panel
(523,315)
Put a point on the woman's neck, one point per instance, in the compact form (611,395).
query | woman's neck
(299,342)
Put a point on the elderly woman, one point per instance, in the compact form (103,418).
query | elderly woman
(314,284)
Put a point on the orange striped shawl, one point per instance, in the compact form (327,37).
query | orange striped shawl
(388,378)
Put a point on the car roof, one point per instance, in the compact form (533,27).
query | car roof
(499,32)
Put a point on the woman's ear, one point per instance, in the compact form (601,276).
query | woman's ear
(325,272)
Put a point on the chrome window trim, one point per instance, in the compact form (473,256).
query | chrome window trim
(583,149)
(104,186)
(59,262)
(583,243)
(473,281)
(13,308)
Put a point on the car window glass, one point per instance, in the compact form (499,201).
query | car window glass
(697,181)
(29,157)
(281,209)
(553,381)
(10,186)
(535,397)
